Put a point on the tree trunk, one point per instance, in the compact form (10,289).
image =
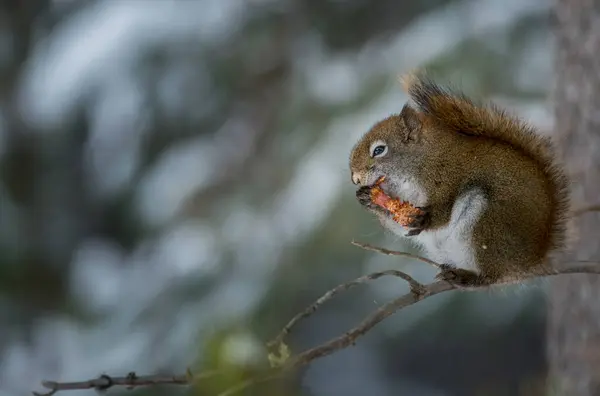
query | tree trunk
(574,311)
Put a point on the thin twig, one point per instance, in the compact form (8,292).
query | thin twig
(586,209)
(349,338)
(105,382)
(576,267)
(415,287)
(395,253)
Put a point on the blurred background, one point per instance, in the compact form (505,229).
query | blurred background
(174,187)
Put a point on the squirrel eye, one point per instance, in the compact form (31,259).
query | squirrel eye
(378,149)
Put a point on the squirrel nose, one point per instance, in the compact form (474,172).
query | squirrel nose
(355,177)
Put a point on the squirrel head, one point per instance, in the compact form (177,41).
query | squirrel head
(394,147)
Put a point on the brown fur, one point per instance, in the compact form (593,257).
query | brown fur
(450,145)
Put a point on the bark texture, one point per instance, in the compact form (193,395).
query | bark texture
(574,311)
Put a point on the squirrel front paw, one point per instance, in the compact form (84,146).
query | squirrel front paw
(363,195)
(418,221)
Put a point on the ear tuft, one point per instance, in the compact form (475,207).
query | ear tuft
(408,80)
(411,79)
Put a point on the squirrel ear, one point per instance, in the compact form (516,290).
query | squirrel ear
(412,122)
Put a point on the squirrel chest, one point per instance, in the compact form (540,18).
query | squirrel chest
(452,243)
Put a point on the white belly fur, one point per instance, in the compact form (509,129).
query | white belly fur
(452,243)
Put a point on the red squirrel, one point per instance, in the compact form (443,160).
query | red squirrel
(494,199)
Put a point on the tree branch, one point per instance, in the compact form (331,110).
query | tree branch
(281,359)
(392,307)
(395,253)
(349,338)
(131,381)
(416,288)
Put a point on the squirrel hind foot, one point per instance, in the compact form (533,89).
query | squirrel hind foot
(461,278)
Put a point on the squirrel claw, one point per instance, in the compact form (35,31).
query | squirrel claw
(418,222)
(458,277)
(363,195)
(413,232)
